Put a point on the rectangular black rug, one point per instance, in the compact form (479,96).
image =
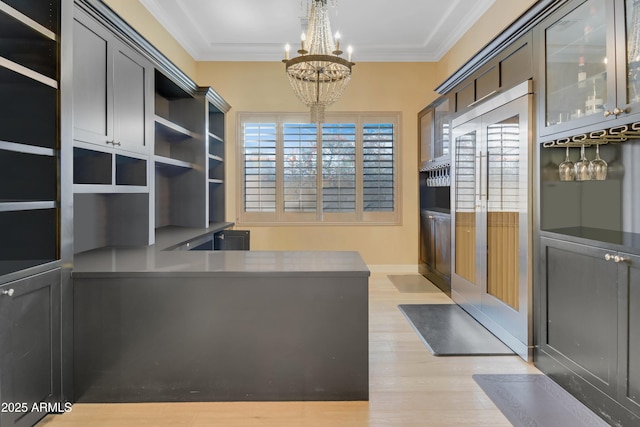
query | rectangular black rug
(412,283)
(535,400)
(448,330)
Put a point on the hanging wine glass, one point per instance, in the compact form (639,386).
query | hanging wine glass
(582,167)
(565,168)
(598,167)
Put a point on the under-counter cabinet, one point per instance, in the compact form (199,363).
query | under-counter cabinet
(590,325)
(435,248)
(590,73)
(30,333)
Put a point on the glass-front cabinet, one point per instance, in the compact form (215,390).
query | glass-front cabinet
(591,67)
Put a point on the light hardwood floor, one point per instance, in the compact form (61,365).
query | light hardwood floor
(408,386)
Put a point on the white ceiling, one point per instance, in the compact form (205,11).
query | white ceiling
(257,30)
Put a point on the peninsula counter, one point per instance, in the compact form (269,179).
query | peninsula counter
(175,325)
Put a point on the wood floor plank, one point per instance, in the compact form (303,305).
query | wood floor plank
(408,386)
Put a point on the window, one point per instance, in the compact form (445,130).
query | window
(341,171)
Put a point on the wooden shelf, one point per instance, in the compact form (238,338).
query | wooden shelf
(108,189)
(173,130)
(215,137)
(26,149)
(169,162)
(27,72)
(17,205)
(17,15)
(216,181)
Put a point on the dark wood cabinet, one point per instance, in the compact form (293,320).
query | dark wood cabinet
(588,303)
(435,248)
(30,339)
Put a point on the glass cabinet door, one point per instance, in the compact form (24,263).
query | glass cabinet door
(466,202)
(631,90)
(580,65)
(442,129)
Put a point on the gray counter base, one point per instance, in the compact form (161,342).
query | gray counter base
(229,338)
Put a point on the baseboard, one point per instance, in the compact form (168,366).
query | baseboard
(394,269)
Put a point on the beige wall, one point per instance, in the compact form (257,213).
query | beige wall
(495,20)
(404,87)
(136,15)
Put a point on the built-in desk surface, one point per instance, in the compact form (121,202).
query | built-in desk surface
(160,260)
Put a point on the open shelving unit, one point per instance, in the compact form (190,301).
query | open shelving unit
(179,155)
(112,122)
(215,156)
(29,206)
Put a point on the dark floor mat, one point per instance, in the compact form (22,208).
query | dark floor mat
(412,283)
(535,400)
(448,330)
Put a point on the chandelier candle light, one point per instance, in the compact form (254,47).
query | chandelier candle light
(319,74)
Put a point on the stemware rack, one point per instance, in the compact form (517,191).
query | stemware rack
(437,174)
(612,135)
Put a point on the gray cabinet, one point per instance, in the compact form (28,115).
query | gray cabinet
(111,86)
(30,339)
(589,297)
(30,210)
(511,66)
(434,133)
(29,158)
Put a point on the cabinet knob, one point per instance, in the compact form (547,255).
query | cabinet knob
(618,111)
(8,292)
(618,258)
(607,113)
(615,258)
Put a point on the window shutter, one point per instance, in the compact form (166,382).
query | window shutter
(378,173)
(338,167)
(300,167)
(259,167)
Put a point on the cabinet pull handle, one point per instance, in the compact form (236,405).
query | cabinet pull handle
(116,143)
(8,292)
(608,257)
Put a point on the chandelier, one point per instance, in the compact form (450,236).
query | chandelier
(319,74)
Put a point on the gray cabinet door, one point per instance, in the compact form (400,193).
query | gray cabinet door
(111,89)
(579,313)
(30,341)
(92,104)
(629,378)
(442,245)
(426,239)
(130,100)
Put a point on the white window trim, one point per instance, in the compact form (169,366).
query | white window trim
(281,218)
